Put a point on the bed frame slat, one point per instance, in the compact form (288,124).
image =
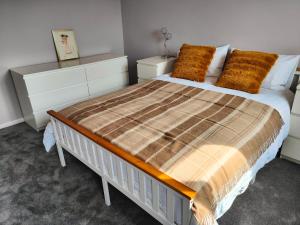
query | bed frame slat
(124,175)
(148,191)
(79,145)
(73,141)
(170,206)
(99,153)
(94,156)
(142,187)
(130,179)
(155,196)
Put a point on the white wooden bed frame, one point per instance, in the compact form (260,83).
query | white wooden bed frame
(163,203)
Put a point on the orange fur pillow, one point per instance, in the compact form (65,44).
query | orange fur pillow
(193,62)
(246,70)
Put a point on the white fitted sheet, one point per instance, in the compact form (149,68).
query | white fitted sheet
(281,100)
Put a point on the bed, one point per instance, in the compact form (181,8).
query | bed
(163,194)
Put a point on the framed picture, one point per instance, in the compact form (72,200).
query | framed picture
(65,44)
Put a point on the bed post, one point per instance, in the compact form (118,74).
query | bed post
(58,146)
(106,192)
(61,155)
(253,180)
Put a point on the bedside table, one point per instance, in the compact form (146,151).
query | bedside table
(291,146)
(152,67)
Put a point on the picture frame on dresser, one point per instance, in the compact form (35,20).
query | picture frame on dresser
(65,44)
(55,86)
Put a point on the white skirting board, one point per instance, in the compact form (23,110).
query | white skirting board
(11,123)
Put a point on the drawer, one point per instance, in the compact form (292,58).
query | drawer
(147,71)
(58,97)
(47,81)
(106,68)
(295,126)
(291,149)
(42,118)
(151,71)
(108,84)
(296,104)
(142,80)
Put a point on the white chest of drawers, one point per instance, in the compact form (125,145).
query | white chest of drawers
(291,146)
(57,85)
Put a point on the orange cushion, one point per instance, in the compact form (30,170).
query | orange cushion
(193,62)
(246,70)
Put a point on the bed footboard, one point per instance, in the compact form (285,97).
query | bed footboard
(160,201)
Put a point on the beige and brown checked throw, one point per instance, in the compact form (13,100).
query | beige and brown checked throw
(203,139)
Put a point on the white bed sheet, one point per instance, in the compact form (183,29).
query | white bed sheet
(281,100)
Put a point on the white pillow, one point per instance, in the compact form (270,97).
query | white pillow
(211,80)
(217,63)
(282,72)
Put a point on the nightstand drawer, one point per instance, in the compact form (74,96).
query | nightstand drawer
(147,71)
(152,67)
(141,80)
(291,149)
(296,104)
(295,126)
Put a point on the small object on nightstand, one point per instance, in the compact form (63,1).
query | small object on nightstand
(291,146)
(167,36)
(152,67)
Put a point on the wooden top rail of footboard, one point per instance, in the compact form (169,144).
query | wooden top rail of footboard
(147,168)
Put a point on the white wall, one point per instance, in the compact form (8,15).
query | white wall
(25,36)
(270,25)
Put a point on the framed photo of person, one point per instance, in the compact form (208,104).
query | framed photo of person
(65,44)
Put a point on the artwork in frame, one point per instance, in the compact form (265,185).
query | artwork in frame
(65,44)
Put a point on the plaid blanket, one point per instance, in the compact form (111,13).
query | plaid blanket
(204,139)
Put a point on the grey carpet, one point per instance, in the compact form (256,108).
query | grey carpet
(35,190)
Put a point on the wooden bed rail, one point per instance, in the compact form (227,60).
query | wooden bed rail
(147,168)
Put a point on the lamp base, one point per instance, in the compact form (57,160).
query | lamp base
(166,56)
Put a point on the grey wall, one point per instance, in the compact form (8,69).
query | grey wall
(25,36)
(270,25)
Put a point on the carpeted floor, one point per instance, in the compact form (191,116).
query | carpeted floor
(35,190)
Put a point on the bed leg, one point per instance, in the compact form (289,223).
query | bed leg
(61,155)
(106,192)
(253,180)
